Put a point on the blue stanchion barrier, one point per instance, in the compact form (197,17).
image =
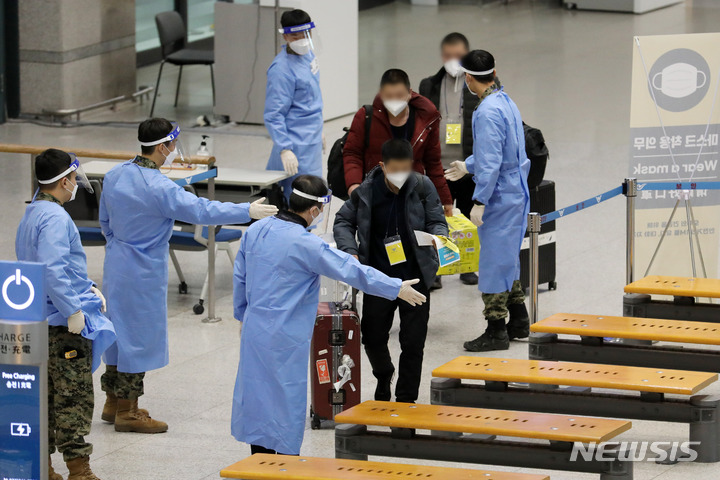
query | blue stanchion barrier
(678,186)
(596,200)
(590,202)
(212,173)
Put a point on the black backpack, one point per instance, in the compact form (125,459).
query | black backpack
(336,167)
(537,153)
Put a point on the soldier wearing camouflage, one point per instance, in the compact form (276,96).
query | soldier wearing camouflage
(70,393)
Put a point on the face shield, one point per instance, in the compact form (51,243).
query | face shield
(81,178)
(474,73)
(301,38)
(322,218)
(173,151)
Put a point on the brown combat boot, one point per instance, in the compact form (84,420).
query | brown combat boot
(110,408)
(128,418)
(80,469)
(52,474)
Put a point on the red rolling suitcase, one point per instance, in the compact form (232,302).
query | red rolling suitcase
(334,361)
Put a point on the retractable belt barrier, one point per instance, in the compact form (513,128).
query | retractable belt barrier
(629,188)
(590,202)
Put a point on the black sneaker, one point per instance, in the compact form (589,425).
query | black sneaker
(437,284)
(519,324)
(489,341)
(469,278)
(383,391)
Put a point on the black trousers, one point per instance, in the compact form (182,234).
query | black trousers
(462,192)
(377,319)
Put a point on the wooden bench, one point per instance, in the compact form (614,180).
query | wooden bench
(271,467)
(544,393)
(447,442)
(592,347)
(638,301)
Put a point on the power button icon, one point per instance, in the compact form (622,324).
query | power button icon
(18,279)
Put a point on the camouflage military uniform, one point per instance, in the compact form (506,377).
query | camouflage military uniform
(145,162)
(489,91)
(123,385)
(70,393)
(496,304)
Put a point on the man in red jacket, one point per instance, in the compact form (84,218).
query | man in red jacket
(398,112)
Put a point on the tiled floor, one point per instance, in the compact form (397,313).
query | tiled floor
(569,72)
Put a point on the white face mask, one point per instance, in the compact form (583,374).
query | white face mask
(398,179)
(316,221)
(468,87)
(301,47)
(73,192)
(452,67)
(170,157)
(679,80)
(395,107)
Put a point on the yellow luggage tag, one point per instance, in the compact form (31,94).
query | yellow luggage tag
(453,134)
(394,249)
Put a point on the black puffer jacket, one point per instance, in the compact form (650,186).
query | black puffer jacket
(424,212)
(430,89)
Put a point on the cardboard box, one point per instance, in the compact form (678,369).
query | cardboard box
(465,235)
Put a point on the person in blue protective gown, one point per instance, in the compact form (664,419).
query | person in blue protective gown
(138,208)
(276,291)
(500,167)
(78,332)
(293,102)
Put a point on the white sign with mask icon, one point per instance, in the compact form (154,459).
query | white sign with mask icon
(675,137)
(679,80)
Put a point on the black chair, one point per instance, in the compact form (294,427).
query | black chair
(173,42)
(84,211)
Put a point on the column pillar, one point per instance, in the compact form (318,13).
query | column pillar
(75,52)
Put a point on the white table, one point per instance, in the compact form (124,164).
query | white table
(237,181)
(255,180)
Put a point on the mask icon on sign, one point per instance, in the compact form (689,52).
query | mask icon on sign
(679,80)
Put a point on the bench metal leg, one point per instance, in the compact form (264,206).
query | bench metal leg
(442,391)
(541,346)
(346,441)
(617,469)
(705,427)
(355,442)
(549,347)
(701,412)
(643,306)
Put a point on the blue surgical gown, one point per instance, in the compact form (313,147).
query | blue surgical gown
(137,211)
(48,235)
(293,112)
(500,168)
(276,292)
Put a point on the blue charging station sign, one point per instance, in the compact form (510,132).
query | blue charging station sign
(20,422)
(23,359)
(22,292)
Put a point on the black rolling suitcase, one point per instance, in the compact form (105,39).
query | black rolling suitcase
(542,201)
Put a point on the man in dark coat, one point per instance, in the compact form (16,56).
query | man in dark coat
(447,91)
(377,225)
